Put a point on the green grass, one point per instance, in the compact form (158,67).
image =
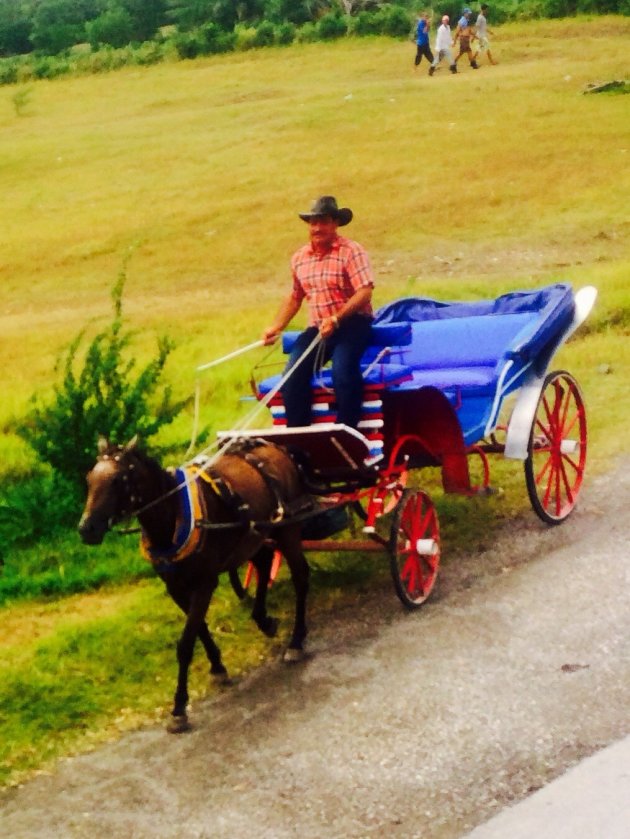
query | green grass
(462,187)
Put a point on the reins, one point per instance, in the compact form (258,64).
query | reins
(244,423)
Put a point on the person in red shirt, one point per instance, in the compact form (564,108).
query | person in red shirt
(334,276)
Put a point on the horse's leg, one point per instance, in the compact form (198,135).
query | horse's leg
(291,546)
(199,602)
(262,562)
(181,597)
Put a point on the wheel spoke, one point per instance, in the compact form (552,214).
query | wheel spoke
(557,453)
(413,570)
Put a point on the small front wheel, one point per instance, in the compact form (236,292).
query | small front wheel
(554,468)
(414,548)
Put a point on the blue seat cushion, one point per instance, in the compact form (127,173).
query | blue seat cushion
(378,374)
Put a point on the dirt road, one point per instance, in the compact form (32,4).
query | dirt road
(406,725)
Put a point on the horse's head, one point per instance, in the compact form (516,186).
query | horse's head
(112,493)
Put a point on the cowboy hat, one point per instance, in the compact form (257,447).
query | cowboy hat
(326,205)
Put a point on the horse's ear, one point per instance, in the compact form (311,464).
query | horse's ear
(132,444)
(103,445)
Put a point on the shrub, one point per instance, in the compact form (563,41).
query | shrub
(114,27)
(49,67)
(148,53)
(216,40)
(188,44)
(106,396)
(265,35)
(394,21)
(285,33)
(365,23)
(8,71)
(308,33)
(245,36)
(36,508)
(332,26)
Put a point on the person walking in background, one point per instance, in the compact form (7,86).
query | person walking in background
(422,39)
(482,32)
(334,276)
(464,34)
(443,43)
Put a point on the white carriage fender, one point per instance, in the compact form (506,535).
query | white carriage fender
(522,419)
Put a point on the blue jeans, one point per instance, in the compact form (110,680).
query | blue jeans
(345,347)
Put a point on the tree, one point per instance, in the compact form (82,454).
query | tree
(147,17)
(189,14)
(114,27)
(58,24)
(15,29)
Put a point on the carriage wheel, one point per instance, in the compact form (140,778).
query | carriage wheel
(414,548)
(554,467)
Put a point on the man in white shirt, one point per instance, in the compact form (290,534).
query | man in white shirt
(443,43)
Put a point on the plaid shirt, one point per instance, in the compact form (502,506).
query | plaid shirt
(328,280)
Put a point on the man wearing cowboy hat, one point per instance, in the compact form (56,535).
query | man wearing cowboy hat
(334,276)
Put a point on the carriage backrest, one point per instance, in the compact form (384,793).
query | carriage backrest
(461,342)
(479,333)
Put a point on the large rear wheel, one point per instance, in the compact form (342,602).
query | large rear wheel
(554,468)
(414,548)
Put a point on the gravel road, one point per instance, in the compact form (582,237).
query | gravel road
(406,725)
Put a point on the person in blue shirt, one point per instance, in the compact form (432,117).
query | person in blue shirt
(422,39)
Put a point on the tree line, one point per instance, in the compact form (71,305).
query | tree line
(50,27)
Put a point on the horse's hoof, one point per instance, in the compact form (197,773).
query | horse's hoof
(271,627)
(292,656)
(178,725)
(221,679)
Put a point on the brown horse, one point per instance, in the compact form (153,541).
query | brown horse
(242,495)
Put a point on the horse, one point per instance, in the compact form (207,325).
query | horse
(245,495)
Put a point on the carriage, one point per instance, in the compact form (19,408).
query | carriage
(437,377)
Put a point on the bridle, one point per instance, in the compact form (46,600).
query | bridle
(132,501)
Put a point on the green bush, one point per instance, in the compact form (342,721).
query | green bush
(8,71)
(394,21)
(308,33)
(106,396)
(285,33)
(114,27)
(188,44)
(49,67)
(216,40)
(35,508)
(365,23)
(332,26)
(265,35)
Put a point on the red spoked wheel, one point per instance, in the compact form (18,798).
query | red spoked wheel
(554,468)
(414,548)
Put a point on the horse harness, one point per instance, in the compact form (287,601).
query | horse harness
(189,535)
(285,511)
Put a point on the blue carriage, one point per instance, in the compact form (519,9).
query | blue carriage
(437,375)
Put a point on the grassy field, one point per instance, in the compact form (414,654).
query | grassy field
(462,186)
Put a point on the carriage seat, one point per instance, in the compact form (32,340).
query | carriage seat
(464,346)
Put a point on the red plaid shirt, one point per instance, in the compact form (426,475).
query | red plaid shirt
(328,280)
